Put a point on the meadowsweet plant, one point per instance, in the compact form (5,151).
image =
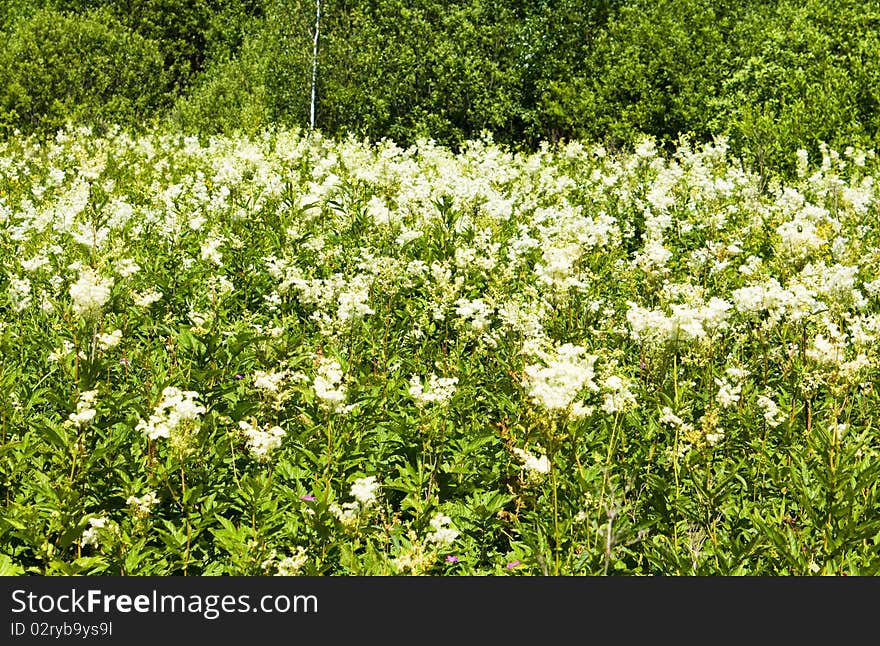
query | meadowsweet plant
(287,354)
(174,417)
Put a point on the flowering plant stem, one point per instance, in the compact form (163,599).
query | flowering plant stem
(185,506)
(328,470)
(557,546)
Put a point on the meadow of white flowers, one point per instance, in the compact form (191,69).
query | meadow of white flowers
(293,355)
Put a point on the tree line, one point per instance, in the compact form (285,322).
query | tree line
(771,75)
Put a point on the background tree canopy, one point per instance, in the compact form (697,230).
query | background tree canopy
(772,76)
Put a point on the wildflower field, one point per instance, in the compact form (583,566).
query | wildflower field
(288,354)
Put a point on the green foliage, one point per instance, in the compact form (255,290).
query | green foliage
(266,81)
(801,74)
(449,75)
(57,68)
(655,69)
(325,357)
(773,77)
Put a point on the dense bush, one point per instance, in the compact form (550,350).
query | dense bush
(438,68)
(803,73)
(267,81)
(655,68)
(88,68)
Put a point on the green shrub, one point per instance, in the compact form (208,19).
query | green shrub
(772,76)
(449,73)
(87,69)
(804,73)
(268,80)
(654,69)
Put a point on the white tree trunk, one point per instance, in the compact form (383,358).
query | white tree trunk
(315,60)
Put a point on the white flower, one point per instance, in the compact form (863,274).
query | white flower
(141,506)
(476,311)
(127,267)
(89,293)
(328,385)
(107,341)
(443,534)
(364,491)
(354,303)
(291,565)
(536,466)
(20,293)
(91,535)
(269,381)
(686,323)
(728,394)
(175,409)
(439,390)
(347,514)
(654,256)
(716,437)
(826,351)
(556,385)
(670,418)
(36,263)
(838,431)
(799,237)
(772,415)
(147,298)
(619,397)
(261,442)
(378,211)
(210,251)
(85,412)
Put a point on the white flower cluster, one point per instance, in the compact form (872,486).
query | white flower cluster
(175,408)
(85,411)
(438,390)
(328,385)
(618,396)
(772,415)
(556,385)
(354,301)
(799,237)
(730,387)
(147,297)
(476,312)
(91,535)
(127,268)
(90,293)
(143,505)
(686,323)
(261,442)
(111,340)
(836,285)
(795,303)
(534,465)
(20,293)
(715,437)
(443,533)
(653,257)
(65,350)
(291,565)
(827,351)
(364,491)
(557,268)
(210,250)
(271,381)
